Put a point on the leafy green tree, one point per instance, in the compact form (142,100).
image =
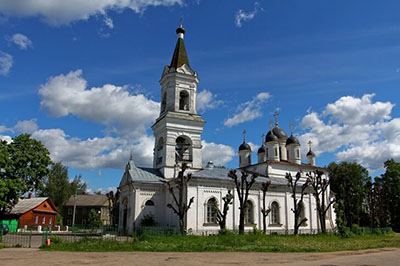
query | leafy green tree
(57,185)
(348,181)
(78,186)
(94,220)
(391,181)
(23,166)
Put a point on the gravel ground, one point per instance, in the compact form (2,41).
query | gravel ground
(26,256)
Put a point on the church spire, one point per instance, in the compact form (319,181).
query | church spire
(180,56)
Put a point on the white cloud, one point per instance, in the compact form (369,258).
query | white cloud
(109,22)
(6,62)
(254,147)
(22,41)
(248,111)
(8,139)
(242,16)
(26,126)
(95,153)
(113,106)
(23,126)
(356,129)
(206,100)
(65,12)
(220,154)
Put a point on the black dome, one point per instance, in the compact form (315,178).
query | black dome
(292,140)
(310,153)
(280,133)
(244,147)
(261,149)
(271,137)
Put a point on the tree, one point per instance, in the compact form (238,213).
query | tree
(348,181)
(57,185)
(23,166)
(78,186)
(243,185)
(221,216)
(298,205)
(391,182)
(181,207)
(94,220)
(320,186)
(264,210)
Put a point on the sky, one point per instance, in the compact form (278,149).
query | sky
(82,77)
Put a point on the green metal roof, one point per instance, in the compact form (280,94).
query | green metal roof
(180,56)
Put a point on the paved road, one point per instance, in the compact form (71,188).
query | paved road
(23,256)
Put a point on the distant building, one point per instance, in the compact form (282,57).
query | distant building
(33,212)
(83,205)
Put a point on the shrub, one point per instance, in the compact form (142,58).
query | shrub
(148,220)
(55,240)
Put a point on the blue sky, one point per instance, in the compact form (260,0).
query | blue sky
(82,77)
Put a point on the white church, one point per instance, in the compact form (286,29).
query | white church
(177,133)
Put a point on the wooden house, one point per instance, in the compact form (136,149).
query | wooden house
(33,212)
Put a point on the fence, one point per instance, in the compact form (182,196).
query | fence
(23,240)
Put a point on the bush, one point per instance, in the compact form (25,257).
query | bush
(55,240)
(148,220)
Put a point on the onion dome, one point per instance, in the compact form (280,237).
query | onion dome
(271,137)
(244,147)
(261,149)
(280,133)
(310,153)
(292,140)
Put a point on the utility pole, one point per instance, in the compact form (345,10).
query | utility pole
(73,215)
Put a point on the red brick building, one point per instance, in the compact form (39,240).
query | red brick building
(33,212)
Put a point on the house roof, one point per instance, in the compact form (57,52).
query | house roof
(25,205)
(87,200)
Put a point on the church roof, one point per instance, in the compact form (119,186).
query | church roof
(222,174)
(135,174)
(180,56)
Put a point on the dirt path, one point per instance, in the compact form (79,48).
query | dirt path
(22,256)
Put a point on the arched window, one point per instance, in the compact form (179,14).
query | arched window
(297,153)
(276,152)
(160,146)
(280,152)
(183,149)
(149,203)
(211,210)
(184,100)
(248,213)
(275,213)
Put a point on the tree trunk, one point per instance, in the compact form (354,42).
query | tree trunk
(241,221)
(264,216)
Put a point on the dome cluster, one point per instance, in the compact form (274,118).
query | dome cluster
(276,146)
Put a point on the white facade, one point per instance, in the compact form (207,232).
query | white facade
(177,134)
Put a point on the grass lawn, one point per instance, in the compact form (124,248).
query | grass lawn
(232,242)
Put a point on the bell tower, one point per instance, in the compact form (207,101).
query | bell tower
(178,129)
